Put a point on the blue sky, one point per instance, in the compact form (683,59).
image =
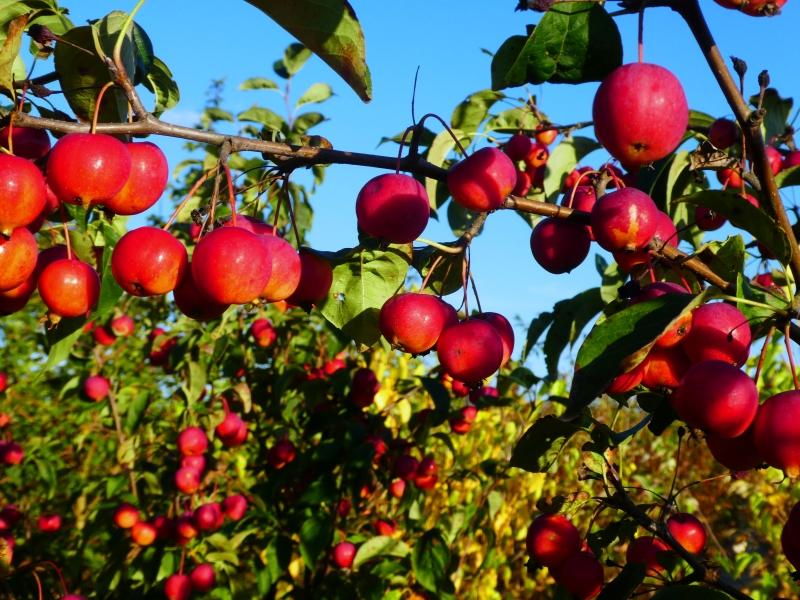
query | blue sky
(204,40)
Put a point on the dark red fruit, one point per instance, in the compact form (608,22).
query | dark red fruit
(647,551)
(518,147)
(208,517)
(343,555)
(707,219)
(559,245)
(365,386)
(504,328)
(790,537)
(193,303)
(777,432)
(192,441)
(552,539)
(27,142)
(234,507)
(624,219)
(723,133)
(393,207)
(316,277)
(178,587)
(203,578)
(688,532)
(581,575)
(736,454)
(146,182)
(470,351)
(281,454)
(413,321)
(719,332)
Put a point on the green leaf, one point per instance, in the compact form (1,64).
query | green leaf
(615,340)
(316,535)
(471,112)
(446,278)
(563,159)
(160,82)
(539,447)
(728,260)
(318,92)
(625,583)
(306,121)
(82,74)
(379,546)
(700,120)
(510,63)
(613,279)
(258,83)
(745,216)
(61,339)
(569,318)
(278,557)
(259,114)
(362,281)
(575,42)
(460,219)
(9,53)
(512,120)
(430,560)
(689,592)
(441,146)
(331,30)
(110,291)
(788,178)
(535,330)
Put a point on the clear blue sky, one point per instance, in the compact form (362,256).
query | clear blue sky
(203,40)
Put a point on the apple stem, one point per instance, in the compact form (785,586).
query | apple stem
(464,278)
(446,126)
(430,272)
(412,128)
(38,584)
(475,290)
(183,560)
(441,247)
(641,31)
(66,230)
(585,174)
(192,191)
(59,574)
(290,210)
(225,406)
(787,339)
(98,101)
(231,194)
(650,269)
(763,355)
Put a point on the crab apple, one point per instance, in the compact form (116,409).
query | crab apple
(457,387)
(178,587)
(777,432)
(11,453)
(194,461)
(282,453)
(792,160)
(185,526)
(343,555)
(739,453)
(203,577)
(640,113)
(27,142)
(123,326)
(405,466)
(470,351)
(523,184)
(10,515)
(688,531)
(146,182)
(559,245)
(234,507)
(707,219)
(316,277)
(88,168)
(545,134)
(790,537)
(413,321)
(232,431)
(192,441)
(664,367)
(126,516)
(385,526)
(552,539)
(143,533)
(730,178)
(96,387)
(69,288)
(73,597)
(393,207)
(148,261)
(718,398)
(397,488)
(719,331)
(581,574)
(49,523)
(583,198)
(625,382)
(285,274)
(16,298)
(517,147)
(482,181)
(193,302)
(251,224)
(22,193)
(537,156)
(365,386)
(504,328)
(462,422)
(18,254)
(425,477)
(723,133)
(5,418)
(775,159)
(230,265)
(665,231)
(646,551)
(574,177)
(263,332)
(208,517)
(624,219)
(103,336)
(187,480)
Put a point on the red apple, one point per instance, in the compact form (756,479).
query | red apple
(581,575)
(22,193)
(18,254)
(646,551)
(470,351)
(483,180)
(148,261)
(69,288)
(146,182)
(88,168)
(640,113)
(723,133)
(178,587)
(285,275)
(393,207)
(552,539)
(343,555)
(624,219)
(126,516)
(777,432)
(518,147)
(413,321)
(688,532)
(263,332)
(203,578)
(27,142)
(143,533)
(316,277)
(719,331)
(49,523)
(96,387)
(193,303)
(559,245)
(192,441)
(187,480)
(234,507)
(123,326)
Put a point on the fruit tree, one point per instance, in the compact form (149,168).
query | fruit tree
(200,402)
